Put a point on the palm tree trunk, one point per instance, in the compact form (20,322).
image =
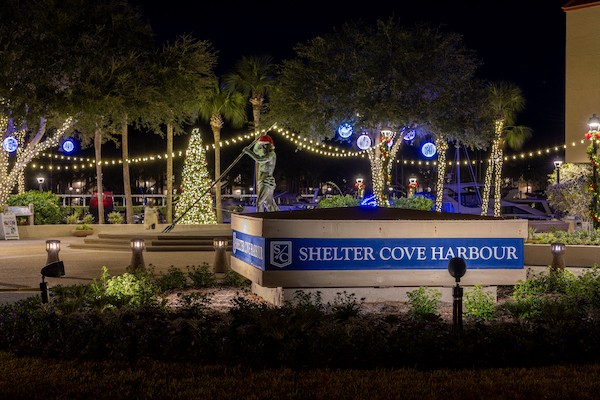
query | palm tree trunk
(442,146)
(169,173)
(216,125)
(489,179)
(126,177)
(98,153)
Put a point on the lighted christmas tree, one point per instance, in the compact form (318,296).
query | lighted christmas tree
(195,202)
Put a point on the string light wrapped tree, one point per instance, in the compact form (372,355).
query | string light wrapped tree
(383,80)
(195,204)
(592,151)
(505,101)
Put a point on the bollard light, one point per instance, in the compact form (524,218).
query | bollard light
(558,259)
(457,268)
(220,246)
(52,247)
(137,256)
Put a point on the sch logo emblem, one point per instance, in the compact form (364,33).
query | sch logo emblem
(281,253)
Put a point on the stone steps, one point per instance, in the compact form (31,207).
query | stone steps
(156,241)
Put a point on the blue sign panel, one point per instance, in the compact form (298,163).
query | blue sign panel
(380,254)
(248,248)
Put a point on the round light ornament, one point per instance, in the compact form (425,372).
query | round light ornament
(363,142)
(410,135)
(10,144)
(428,150)
(68,146)
(345,130)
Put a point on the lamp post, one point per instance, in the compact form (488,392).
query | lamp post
(40,181)
(594,124)
(557,164)
(412,187)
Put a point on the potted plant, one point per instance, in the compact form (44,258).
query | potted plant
(115,217)
(83,229)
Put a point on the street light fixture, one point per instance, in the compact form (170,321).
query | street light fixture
(557,164)
(594,124)
(40,181)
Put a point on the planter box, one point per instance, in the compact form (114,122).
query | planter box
(575,255)
(82,232)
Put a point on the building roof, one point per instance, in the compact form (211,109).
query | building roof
(576,4)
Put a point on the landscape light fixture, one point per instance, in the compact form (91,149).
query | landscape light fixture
(220,246)
(53,270)
(137,257)
(557,164)
(52,247)
(558,259)
(457,269)
(40,181)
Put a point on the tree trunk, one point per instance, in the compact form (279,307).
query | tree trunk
(217,136)
(442,147)
(169,173)
(126,178)
(98,153)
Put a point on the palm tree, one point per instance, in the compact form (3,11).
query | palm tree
(253,77)
(220,105)
(505,100)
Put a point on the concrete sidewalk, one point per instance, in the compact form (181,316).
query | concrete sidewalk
(22,260)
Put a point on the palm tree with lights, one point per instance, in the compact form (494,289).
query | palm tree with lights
(221,104)
(505,100)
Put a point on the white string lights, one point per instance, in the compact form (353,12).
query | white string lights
(321,149)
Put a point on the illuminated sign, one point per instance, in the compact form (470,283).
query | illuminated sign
(275,254)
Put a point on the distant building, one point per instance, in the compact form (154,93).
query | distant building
(582,74)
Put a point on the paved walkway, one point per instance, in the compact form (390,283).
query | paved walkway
(22,260)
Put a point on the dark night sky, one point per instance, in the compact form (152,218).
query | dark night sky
(519,41)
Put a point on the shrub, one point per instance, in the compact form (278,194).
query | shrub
(115,217)
(232,278)
(346,305)
(202,276)
(414,203)
(46,209)
(338,201)
(424,302)
(479,304)
(127,289)
(73,218)
(173,279)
